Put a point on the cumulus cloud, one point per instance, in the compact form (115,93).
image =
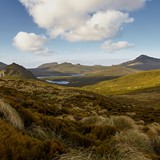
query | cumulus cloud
(30,42)
(111,46)
(81,20)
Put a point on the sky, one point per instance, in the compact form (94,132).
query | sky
(106,32)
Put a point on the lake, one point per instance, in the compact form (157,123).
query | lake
(58,82)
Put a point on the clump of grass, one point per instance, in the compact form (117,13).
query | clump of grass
(93,120)
(11,115)
(79,154)
(152,129)
(125,152)
(123,122)
(39,132)
(155,141)
(134,139)
(18,145)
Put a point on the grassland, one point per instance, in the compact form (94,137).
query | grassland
(129,83)
(44,121)
(94,76)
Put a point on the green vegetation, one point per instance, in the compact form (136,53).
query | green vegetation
(126,84)
(43,121)
(116,70)
(16,71)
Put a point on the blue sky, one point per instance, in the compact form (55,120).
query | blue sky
(53,36)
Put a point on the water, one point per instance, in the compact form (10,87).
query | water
(58,82)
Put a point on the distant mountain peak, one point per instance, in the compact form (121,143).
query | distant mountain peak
(145,57)
(143,62)
(16,71)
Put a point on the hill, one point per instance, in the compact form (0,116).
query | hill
(95,77)
(128,83)
(71,68)
(2,65)
(16,71)
(116,70)
(143,62)
(59,123)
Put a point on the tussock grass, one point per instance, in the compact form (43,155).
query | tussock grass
(39,132)
(11,115)
(80,154)
(155,141)
(119,122)
(51,133)
(135,139)
(18,145)
(125,152)
(152,129)
(123,122)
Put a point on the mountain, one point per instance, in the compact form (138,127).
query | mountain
(116,70)
(2,65)
(70,68)
(16,71)
(143,62)
(129,83)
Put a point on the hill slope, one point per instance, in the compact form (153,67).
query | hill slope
(143,62)
(16,71)
(63,124)
(2,65)
(70,68)
(127,83)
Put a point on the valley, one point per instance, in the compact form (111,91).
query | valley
(106,114)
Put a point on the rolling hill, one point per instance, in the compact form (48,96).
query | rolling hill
(61,123)
(127,83)
(71,68)
(143,62)
(16,71)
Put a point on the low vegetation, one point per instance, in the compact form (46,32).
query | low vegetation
(127,84)
(44,121)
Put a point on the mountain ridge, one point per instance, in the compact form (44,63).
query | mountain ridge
(143,62)
(2,65)
(16,71)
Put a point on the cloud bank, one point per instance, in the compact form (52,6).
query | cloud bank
(81,20)
(110,46)
(30,42)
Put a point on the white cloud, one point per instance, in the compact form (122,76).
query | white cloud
(78,20)
(30,42)
(102,25)
(110,46)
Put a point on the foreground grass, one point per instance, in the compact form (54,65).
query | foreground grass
(63,124)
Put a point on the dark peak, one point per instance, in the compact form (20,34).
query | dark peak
(14,64)
(16,70)
(145,57)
